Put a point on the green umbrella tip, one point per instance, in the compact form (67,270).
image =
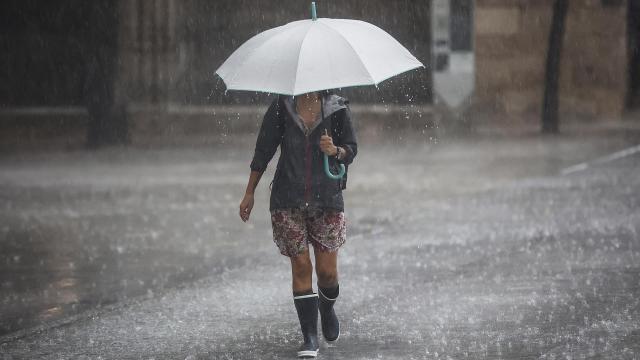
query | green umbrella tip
(314,14)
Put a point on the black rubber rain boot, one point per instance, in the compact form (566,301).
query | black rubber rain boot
(330,323)
(307,307)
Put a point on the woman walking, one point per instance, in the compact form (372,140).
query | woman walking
(306,205)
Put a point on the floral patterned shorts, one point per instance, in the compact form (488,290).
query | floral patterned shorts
(294,229)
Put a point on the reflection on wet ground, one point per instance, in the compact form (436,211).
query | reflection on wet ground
(467,248)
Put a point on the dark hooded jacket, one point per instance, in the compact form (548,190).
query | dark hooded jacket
(299,179)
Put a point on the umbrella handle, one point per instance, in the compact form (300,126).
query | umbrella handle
(314,15)
(328,171)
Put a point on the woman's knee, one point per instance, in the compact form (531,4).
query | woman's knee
(327,276)
(301,266)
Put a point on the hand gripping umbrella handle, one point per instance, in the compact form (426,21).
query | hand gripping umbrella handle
(326,160)
(326,157)
(328,171)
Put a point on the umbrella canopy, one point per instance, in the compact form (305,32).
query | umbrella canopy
(312,55)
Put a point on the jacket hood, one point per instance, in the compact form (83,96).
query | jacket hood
(333,103)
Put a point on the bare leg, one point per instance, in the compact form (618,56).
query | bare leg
(327,268)
(302,271)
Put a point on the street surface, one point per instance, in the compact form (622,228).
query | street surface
(476,247)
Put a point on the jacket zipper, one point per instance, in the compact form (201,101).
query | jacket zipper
(307,182)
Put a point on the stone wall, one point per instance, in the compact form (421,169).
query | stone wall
(510,45)
(148,50)
(511,42)
(594,70)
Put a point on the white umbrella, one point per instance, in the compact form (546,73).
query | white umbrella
(316,54)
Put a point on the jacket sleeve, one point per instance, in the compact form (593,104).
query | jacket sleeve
(347,138)
(269,137)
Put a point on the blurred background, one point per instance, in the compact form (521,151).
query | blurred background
(492,209)
(139,72)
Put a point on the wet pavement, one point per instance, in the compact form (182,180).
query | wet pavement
(464,248)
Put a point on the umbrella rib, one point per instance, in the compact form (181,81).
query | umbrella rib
(279,60)
(352,49)
(295,75)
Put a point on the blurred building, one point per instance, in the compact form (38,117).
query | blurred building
(142,71)
(169,51)
(600,56)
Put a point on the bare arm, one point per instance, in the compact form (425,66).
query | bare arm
(246,205)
